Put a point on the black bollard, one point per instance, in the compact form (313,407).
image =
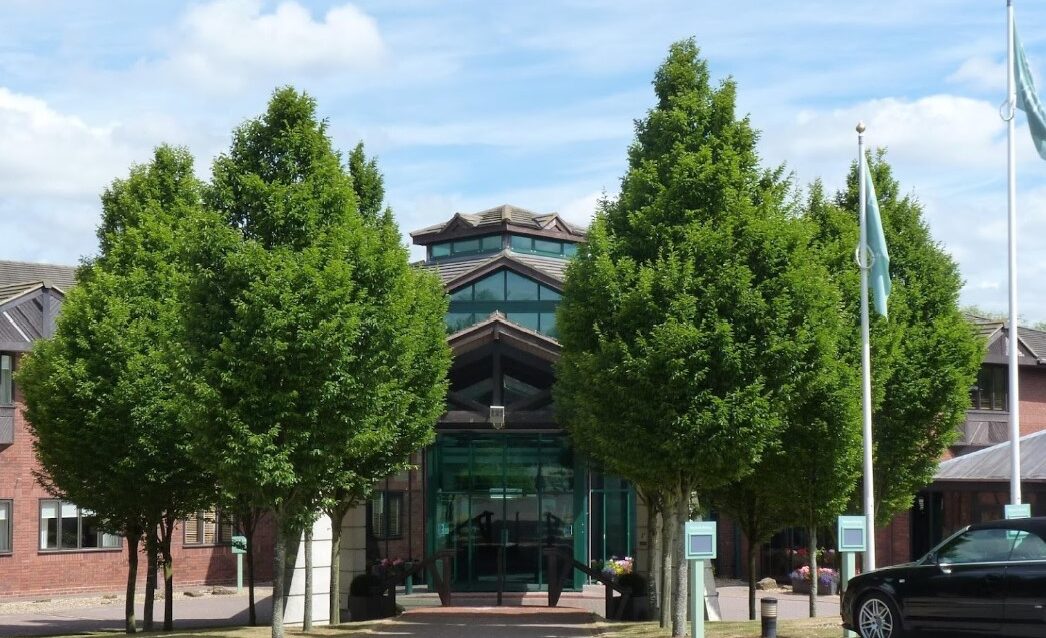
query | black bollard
(768,614)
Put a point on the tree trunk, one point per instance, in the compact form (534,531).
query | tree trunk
(337,517)
(306,623)
(133,538)
(679,568)
(249,523)
(279,560)
(668,537)
(753,551)
(654,552)
(812,548)
(168,574)
(150,577)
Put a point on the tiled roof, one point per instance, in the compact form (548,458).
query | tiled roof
(451,269)
(17,273)
(499,215)
(993,463)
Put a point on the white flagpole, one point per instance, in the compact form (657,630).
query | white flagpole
(1014,383)
(866,355)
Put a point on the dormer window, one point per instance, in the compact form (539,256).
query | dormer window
(469,246)
(544,247)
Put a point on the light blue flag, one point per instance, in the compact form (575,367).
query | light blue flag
(879,274)
(1027,98)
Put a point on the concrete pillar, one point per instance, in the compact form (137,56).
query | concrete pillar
(294,612)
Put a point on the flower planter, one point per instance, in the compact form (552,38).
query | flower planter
(823,589)
(370,607)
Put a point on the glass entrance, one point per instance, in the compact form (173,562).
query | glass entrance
(503,497)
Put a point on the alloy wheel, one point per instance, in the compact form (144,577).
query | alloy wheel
(875,619)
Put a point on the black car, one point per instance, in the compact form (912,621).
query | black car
(989,578)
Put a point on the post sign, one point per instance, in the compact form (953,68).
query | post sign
(239,544)
(853,534)
(700,540)
(1022,510)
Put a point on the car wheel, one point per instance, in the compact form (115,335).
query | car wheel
(877,617)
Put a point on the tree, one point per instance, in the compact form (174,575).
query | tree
(925,356)
(305,314)
(101,396)
(694,308)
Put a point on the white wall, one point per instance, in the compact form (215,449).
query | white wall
(353,549)
(294,612)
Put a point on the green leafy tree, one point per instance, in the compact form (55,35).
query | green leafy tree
(925,356)
(695,307)
(101,396)
(298,326)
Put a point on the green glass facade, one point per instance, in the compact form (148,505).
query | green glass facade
(524,302)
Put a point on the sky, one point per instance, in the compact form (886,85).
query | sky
(469,104)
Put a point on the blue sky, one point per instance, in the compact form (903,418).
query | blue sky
(474,104)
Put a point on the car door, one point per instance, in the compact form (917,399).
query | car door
(962,588)
(1025,613)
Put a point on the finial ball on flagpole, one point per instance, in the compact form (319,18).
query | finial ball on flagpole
(860,127)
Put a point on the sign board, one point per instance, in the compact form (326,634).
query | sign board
(853,533)
(239,544)
(700,540)
(1017,511)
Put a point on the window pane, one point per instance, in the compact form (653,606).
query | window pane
(440,250)
(5,526)
(548,324)
(465,246)
(49,525)
(547,294)
(546,246)
(520,242)
(459,320)
(395,502)
(528,320)
(492,242)
(224,528)
(6,388)
(89,533)
(192,530)
(377,516)
(1028,546)
(210,528)
(481,391)
(465,294)
(110,541)
(1000,384)
(520,288)
(569,249)
(70,527)
(491,288)
(977,546)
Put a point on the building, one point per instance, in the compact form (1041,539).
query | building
(501,475)
(48,546)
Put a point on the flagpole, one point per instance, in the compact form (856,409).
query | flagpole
(866,355)
(1014,381)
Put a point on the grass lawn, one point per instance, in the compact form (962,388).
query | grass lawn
(806,628)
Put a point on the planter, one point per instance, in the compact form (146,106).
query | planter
(370,607)
(803,587)
(638,608)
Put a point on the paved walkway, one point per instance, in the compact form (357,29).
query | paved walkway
(522,615)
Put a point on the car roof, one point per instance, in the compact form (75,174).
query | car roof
(1036,524)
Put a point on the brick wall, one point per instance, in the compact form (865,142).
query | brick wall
(27,571)
(1033,400)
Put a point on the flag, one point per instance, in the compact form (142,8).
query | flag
(879,273)
(1027,98)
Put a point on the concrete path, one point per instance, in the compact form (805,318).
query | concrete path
(483,622)
(206,611)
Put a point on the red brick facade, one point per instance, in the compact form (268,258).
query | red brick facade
(28,571)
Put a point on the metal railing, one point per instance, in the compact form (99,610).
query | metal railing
(561,564)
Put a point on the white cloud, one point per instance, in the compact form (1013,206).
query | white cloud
(227,44)
(983,73)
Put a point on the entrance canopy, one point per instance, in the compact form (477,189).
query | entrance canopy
(993,464)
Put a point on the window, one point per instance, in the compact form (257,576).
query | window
(208,527)
(385,511)
(470,246)
(64,526)
(5,527)
(524,302)
(977,546)
(6,385)
(991,390)
(545,247)
(1028,546)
